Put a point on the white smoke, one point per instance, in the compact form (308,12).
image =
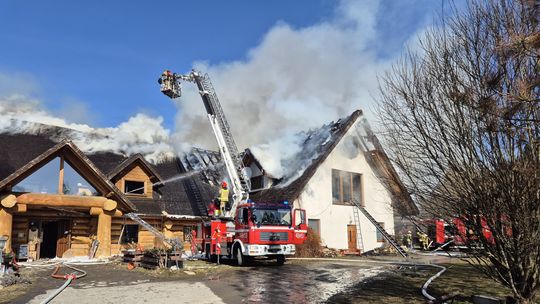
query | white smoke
(296,79)
(140,134)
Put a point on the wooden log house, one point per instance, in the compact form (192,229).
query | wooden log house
(56,200)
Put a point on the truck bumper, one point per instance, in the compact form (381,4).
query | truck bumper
(265,250)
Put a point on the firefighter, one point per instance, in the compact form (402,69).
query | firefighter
(212,211)
(408,240)
(223,197)
(424,240)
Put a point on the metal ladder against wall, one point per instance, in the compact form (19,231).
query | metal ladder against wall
(175,243)
(385,234)
(359,239)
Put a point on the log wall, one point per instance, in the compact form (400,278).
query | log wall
(84,230)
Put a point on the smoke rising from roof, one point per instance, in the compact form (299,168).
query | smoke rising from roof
(296,79)
(140,134)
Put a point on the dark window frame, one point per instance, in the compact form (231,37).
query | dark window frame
(130,234)
(378,234)
(257,182)
(142,187)
(345,186)
(318,230)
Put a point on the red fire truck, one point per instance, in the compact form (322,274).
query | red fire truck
(250,229)
(259,230)
(455,232)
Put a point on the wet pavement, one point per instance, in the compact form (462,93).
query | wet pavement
(294,282)
(263,282)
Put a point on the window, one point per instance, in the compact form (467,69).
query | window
(130,234)
(187,232)
(133,187)
(315,225)
(278,217)
(243,216)
(380,237)
(57,176)
(346,186)
(257,182)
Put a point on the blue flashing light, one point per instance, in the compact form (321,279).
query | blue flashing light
(285,202)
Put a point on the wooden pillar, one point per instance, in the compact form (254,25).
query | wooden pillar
(6,227)
(61,176)
(104,234)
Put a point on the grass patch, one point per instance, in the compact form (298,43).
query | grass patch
(403,285)
(19,285)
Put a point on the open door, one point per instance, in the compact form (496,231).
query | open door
(64,236)
(300,226)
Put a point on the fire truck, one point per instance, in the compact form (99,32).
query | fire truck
(455,234)
(249,229)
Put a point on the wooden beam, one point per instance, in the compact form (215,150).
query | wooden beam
(98,211)
(110,205)
(61,176)
(104,234)
(8,201)
(60,200)
(6,227)
(20,208)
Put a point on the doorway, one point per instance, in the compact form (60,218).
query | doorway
(351,237)
(56,237)
(50,237)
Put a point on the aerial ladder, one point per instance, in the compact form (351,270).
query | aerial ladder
(249,229)
(171,85)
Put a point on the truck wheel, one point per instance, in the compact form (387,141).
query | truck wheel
(280,259)
(240,260)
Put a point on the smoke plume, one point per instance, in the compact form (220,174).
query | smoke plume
(296,79)
(140,134)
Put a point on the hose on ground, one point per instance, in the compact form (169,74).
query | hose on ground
(68,277)
(424,287)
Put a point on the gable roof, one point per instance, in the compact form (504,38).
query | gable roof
(323,147)
(187,196)
(290,188)
(154,176)
(68,148)
(16,151)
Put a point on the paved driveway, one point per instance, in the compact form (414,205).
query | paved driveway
(294,282)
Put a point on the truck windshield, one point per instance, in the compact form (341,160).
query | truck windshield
(280,217)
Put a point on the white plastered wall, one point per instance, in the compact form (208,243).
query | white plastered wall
(316,198)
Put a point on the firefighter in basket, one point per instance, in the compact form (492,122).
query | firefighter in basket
(223,198)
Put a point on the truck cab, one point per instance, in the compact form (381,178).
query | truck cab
(258,230)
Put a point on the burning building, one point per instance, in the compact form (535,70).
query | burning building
(334,166)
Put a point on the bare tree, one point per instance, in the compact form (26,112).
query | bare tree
(462,120)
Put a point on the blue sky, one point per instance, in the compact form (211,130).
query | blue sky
(108,54)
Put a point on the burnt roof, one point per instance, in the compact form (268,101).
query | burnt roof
(320,143)
(207,162)
(289,188)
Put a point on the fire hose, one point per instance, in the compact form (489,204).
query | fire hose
(424,287)
(68,277)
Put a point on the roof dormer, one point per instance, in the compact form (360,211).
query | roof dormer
(135,177)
